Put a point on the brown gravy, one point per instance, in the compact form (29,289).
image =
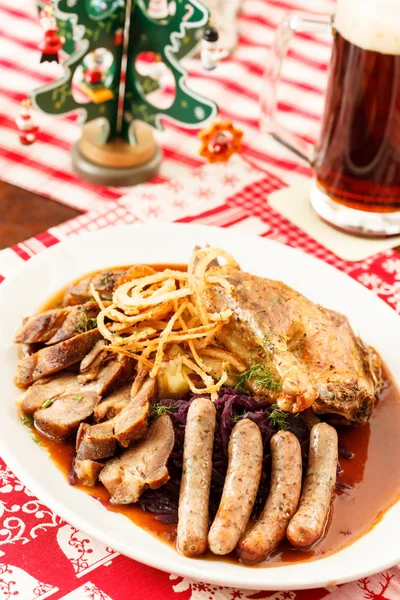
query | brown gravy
(373,476)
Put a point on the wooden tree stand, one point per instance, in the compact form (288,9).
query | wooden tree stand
(116,163)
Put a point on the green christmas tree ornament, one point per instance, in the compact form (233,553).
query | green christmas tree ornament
(117,53)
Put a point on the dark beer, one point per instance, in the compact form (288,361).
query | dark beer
(358,156)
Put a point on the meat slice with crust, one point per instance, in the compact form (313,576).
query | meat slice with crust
(142,466)
(61,419)
(132,422)
(40,328)
(55,358)
(44,390)
(104,283)
(79,319)
(95,442)
(112,405)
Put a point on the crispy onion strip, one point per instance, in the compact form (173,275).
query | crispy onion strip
(148,315)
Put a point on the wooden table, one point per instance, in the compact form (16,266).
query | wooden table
(23,214)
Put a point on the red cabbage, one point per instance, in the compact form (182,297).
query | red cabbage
(230,406)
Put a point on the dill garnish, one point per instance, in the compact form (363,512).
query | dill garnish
(267,344)
(280,419)
(85,323)
(36,440)
(27,420)
(77,398)
(47,403)
(159,409)
(260,375)
(239,417)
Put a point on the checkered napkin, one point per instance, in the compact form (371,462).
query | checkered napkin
(44,557)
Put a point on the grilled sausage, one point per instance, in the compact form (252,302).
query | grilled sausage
(240,488)
(196,477)
(281,503)
(308,524)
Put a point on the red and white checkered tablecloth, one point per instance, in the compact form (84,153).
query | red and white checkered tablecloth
(41,556)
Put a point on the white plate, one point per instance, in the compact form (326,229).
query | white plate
(51,270)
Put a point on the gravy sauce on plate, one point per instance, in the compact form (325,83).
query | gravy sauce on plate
(367,487)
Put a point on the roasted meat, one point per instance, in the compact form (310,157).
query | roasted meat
(55,358)
(40,328)
(79,319)
(299,353)
(142,466)
(111,374)
(132,422)
(113,404)
(88,470)
(95,441)
(46,389)
(61,418)
(104,283)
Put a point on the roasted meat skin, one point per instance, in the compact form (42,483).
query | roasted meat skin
(104,283)
(52,359)
(311,350)
(40,328)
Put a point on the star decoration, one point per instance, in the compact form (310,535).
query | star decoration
(220,141)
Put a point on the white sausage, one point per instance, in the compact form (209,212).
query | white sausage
(196,478)
(308,524)
(240,488)
(281,503)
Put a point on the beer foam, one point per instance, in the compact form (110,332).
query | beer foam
(370,24)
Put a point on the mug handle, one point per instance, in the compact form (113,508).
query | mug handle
(268,98)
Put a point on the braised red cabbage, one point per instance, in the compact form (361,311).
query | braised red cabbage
(231,406)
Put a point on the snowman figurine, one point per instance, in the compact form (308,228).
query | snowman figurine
(210,53)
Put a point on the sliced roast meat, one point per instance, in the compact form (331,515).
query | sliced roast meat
(132,422)
(61,419)
(88,471)
(27,350)
(96,441)
(40,328)
(93,370)
(46,389)
(142,466)
(104,283)
(79,319)
(55,358)
(96,353)
(111,374)
(113,404)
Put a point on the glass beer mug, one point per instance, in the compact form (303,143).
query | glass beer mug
(356,162)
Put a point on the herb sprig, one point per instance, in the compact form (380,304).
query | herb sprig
(27,420)
(239,417)
(280,419)
(260,375)
(85,323)
(160,409)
